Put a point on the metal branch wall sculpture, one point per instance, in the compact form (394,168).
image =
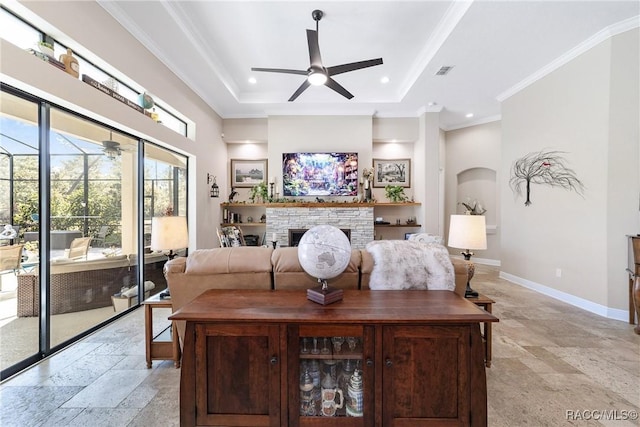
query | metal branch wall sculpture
(543,167)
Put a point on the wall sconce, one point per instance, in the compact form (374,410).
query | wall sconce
(215,190)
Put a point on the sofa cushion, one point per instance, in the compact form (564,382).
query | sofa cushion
(243,259)
(66,265)
(402,264)
(289,274)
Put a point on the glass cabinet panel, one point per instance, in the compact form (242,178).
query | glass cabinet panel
(332,375)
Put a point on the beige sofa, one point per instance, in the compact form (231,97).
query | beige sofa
(250,267)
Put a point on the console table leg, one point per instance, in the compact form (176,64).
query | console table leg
(632,310)
(636,302)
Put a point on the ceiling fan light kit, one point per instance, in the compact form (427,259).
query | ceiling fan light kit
(317,78)
(317,74)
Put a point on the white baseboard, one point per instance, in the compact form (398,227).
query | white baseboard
(485,261)
(599,309)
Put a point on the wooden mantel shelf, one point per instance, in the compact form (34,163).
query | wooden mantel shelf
(318,205)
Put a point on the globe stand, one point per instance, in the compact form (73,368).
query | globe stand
(324,294)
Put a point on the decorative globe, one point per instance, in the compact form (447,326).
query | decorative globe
(324,252)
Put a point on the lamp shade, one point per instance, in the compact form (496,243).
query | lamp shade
(467,232)
(169,233)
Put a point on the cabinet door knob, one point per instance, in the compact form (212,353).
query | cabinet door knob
(369,362)
(388,362)
(274,360)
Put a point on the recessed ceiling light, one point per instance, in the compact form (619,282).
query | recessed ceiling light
(469,115)
(252,80)
(384,80)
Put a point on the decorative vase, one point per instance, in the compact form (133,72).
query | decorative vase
(307,406)
(355,395)
(70,63)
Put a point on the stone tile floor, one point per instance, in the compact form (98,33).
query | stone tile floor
(553,365)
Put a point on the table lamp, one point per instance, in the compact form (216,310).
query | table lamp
(468,232)
(169,233)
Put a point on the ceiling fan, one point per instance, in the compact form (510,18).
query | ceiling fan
(111,148)
(317,74)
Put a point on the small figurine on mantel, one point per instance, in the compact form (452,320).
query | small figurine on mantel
(232,195)
(367,182)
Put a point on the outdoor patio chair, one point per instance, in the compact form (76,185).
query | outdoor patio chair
(98,240)
(79,248)
(10,258)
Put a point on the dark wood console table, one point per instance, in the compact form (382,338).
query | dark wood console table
(419,354)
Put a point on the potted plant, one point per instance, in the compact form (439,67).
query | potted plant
(395,193)
(259,193)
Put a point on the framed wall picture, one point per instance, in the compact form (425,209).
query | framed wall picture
(392,172)
(247,173)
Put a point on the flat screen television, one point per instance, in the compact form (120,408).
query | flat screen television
(319,174)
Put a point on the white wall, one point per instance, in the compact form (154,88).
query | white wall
(474,151)
(583,109)
(87,24)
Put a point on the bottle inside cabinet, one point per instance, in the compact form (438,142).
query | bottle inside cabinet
(331,383)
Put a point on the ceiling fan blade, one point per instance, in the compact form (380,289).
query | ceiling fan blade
(281,70)
(339,69)
(305,84)
(314,49)
(338,88)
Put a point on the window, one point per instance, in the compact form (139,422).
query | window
(25,36)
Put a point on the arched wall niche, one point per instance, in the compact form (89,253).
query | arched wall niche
(479,185)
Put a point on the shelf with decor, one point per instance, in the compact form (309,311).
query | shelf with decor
(238,213)
(316,204)
(244,224)
(398,225)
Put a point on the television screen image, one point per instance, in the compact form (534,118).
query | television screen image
(320,174)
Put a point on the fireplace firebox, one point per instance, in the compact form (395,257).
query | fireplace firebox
(295,234)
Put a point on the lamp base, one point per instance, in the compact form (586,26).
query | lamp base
(471,269)
(470,293)
(324,295)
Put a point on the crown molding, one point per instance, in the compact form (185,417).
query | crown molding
(481,121)
(596,39)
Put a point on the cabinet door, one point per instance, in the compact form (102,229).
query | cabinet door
(425,379)
(241,384)
(330,375)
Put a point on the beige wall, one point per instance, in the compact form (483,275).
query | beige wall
(623,196)
(291,134)
(475,153)
(589,109)
(105,38)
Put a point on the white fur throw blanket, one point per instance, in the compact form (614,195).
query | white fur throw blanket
(401,264)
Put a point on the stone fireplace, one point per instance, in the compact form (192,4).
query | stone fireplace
(358,220)
(295,234)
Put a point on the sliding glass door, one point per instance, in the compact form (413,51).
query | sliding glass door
(93,232)
(19,221)
(72,225)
